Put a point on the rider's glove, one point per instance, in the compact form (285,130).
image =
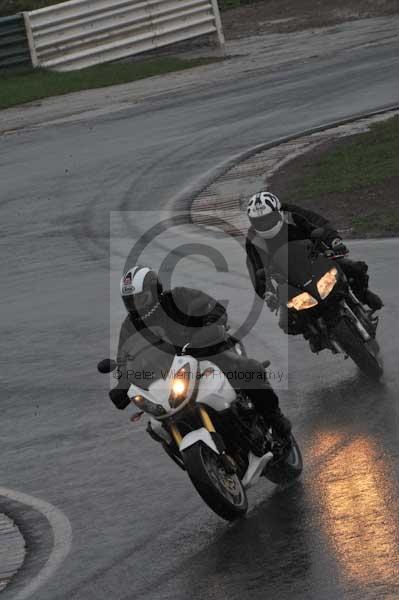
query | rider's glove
(338,246)
(271,301)
(119,397)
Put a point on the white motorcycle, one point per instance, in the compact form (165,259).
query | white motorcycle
(208,429)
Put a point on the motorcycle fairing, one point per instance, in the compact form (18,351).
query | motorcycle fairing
(158,392)
(215,389)
(196,436)
(256,466)
(301,269)
(160,430)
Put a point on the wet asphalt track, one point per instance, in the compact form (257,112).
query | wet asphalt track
(139,529)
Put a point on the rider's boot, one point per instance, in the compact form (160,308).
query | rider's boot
(316,345)
(280,424)
(360,283)
(372,300)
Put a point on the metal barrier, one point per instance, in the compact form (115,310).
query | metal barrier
(81,33)
(14,49)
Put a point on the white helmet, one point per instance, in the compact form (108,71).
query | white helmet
(264,213)
(140,289)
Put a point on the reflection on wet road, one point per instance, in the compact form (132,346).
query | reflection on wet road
(357,498)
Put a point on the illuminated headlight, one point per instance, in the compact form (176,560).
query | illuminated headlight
(302,301)
(327,282)
(180,385)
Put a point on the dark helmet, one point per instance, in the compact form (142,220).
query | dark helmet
(140,290)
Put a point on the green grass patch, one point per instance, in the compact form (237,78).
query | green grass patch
(367,160)
(354,182)
(21,86)
(377,224)
(227,4)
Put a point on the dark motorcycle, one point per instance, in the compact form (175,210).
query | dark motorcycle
(307,278)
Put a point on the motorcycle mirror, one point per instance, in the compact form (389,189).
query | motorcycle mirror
(107,365)
(318,233)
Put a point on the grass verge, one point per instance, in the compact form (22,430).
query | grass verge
(354,182)
(21,86)
(227,4)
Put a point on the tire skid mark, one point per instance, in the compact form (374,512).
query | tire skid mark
(62,539)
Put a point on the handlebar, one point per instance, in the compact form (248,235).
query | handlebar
(328,251)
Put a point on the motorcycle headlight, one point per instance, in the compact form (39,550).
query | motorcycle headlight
(302,301)
(327,283)
(180,385)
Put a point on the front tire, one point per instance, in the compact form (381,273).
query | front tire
(363,354)
(222,492)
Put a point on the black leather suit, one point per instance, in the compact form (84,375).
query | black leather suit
(298,225)
(177,316)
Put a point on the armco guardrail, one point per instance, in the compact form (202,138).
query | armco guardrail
(81,33)
(14,49)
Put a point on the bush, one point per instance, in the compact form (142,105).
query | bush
(12,7)
(226,4)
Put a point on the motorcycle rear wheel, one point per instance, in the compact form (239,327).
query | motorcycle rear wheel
(222,492)
(363,354)
(287,469)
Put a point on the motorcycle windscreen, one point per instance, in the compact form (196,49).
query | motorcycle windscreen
(292,260)
(152,363)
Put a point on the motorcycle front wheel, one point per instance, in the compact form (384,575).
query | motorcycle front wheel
(222,492)
(363,354)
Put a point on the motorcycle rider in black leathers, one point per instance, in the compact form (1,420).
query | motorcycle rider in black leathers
(165,318)
(273,224)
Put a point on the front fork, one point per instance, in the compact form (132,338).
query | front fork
(330,341)
(358,320)
(370,321)
(207,423)
(228,463)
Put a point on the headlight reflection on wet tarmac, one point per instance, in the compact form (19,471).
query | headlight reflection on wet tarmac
(356,492)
